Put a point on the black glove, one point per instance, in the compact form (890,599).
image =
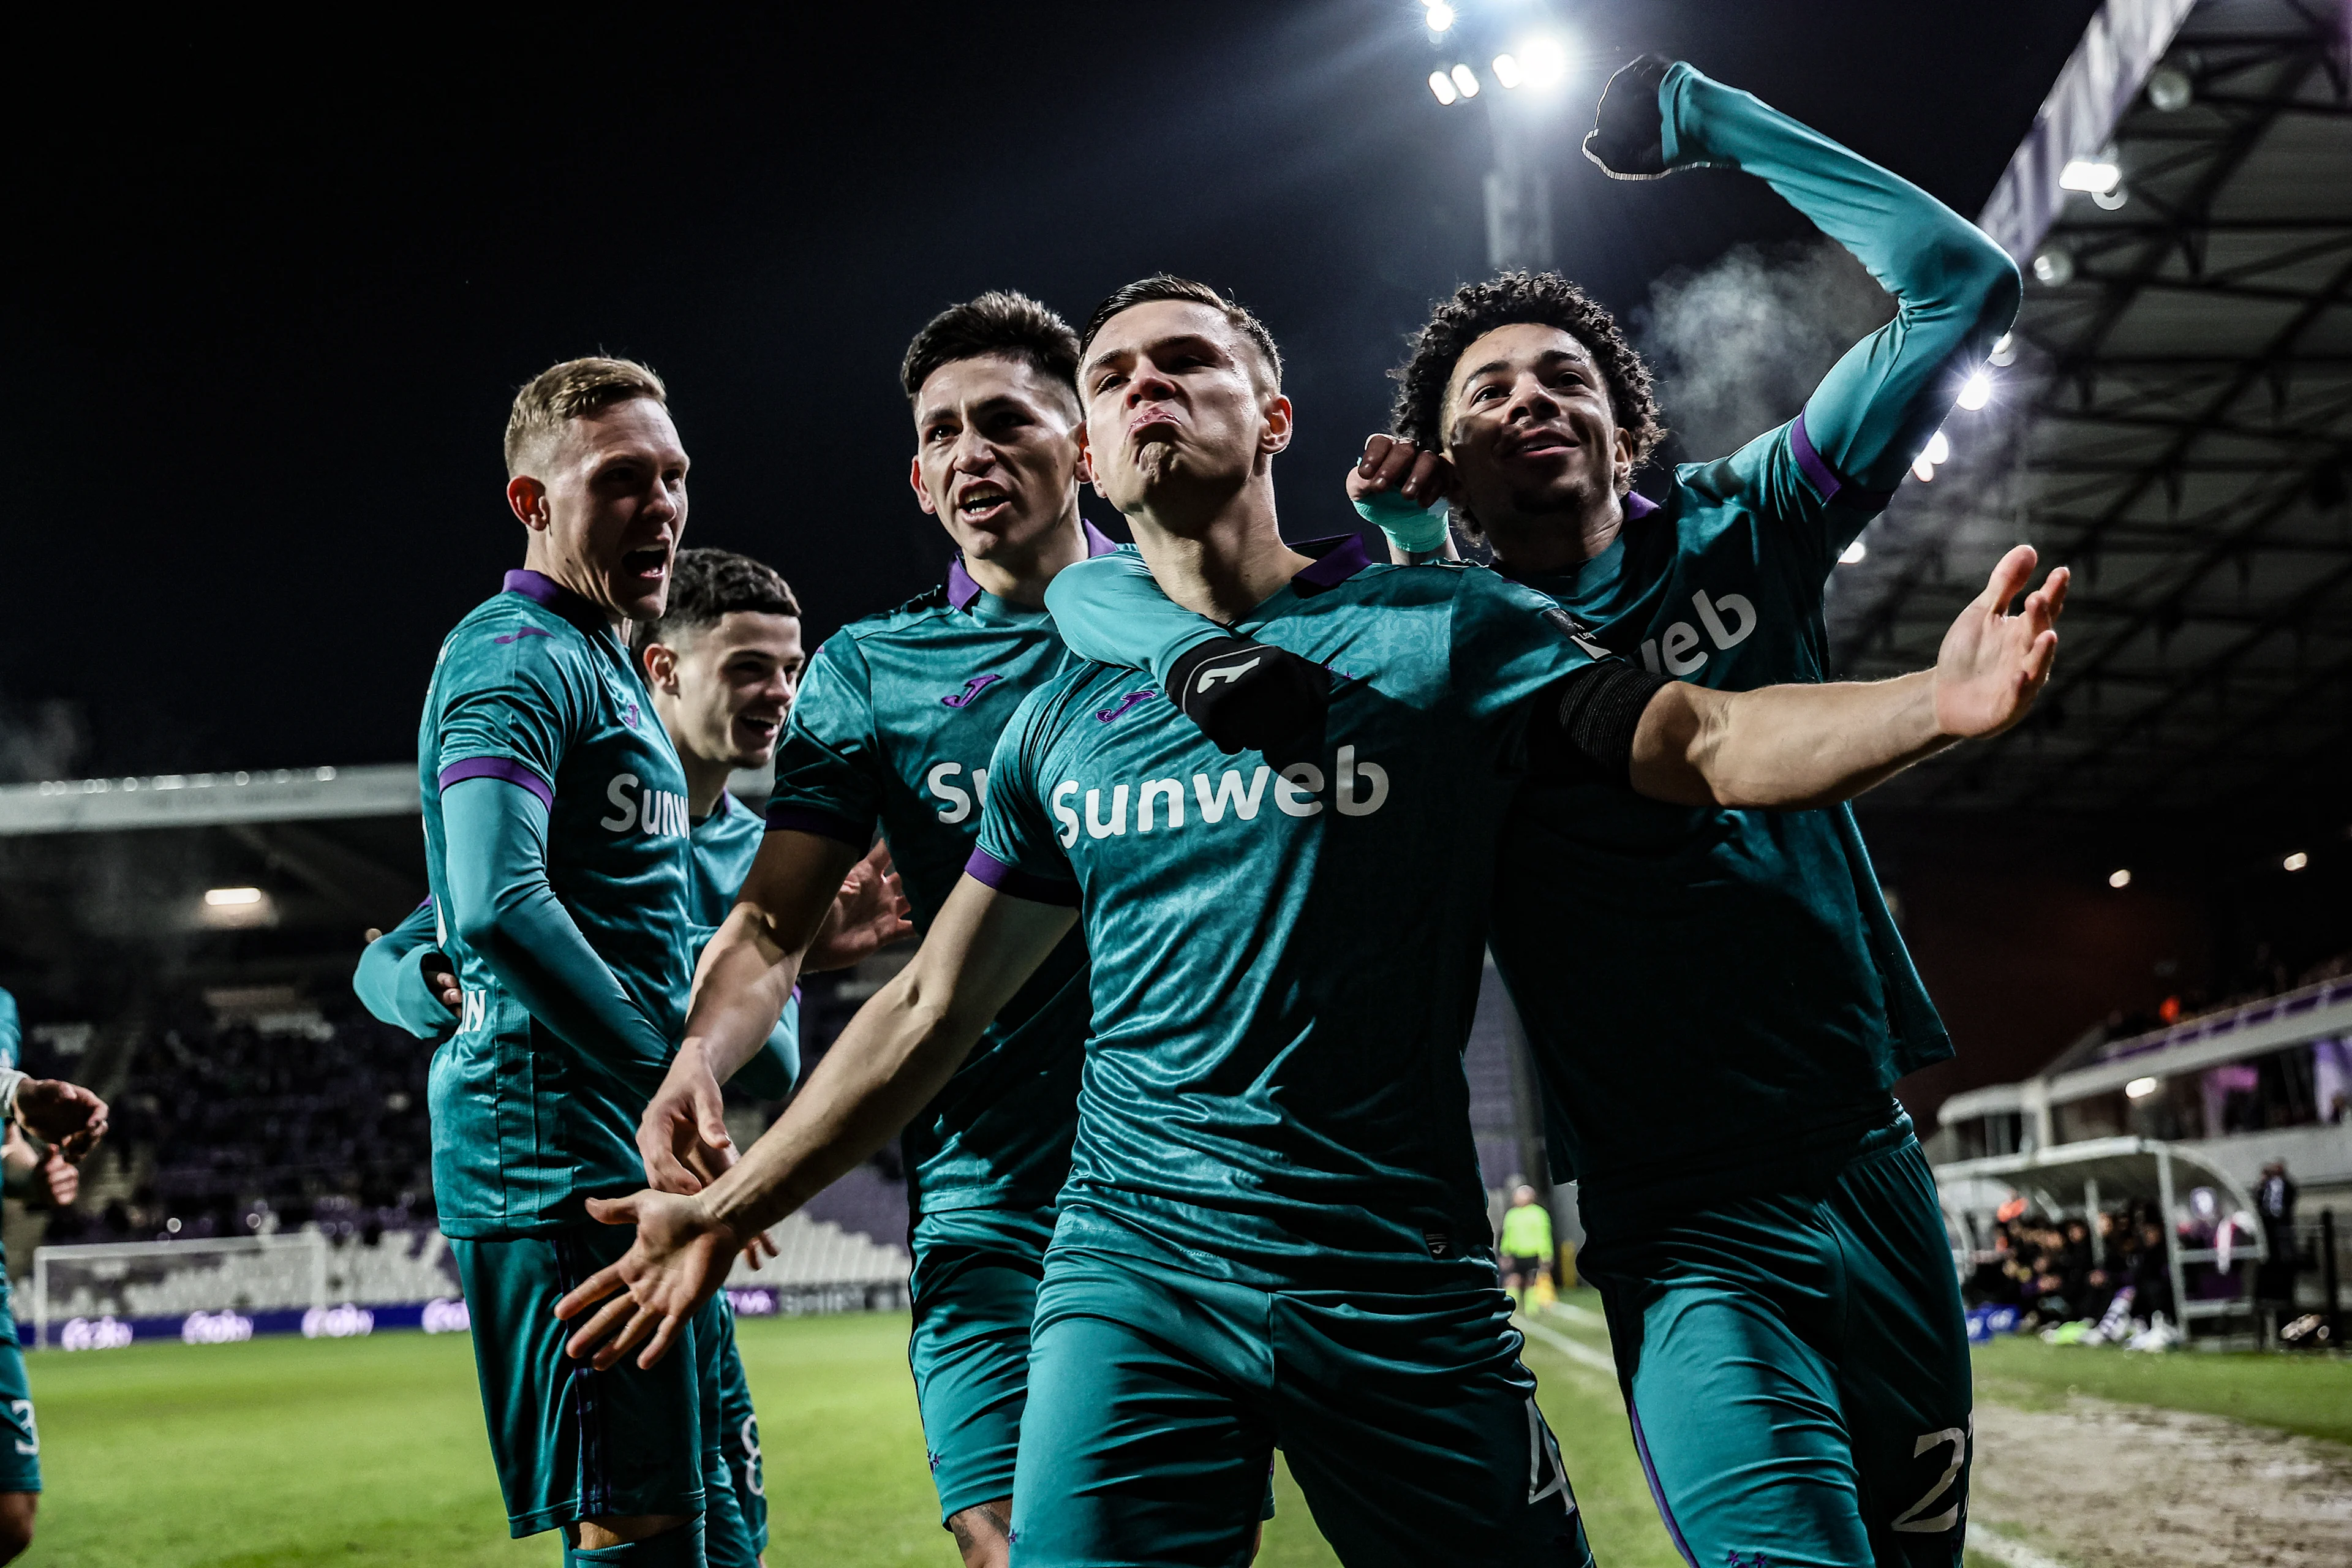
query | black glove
(1629,134)
(1250,695)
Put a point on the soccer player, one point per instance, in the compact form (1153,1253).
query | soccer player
(71,1120)
(1274,1230)
(1718,1000)
(1526,1243)
(556,823)
(893,729)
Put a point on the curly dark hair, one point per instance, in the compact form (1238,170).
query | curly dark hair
(1547,299)
(705,584)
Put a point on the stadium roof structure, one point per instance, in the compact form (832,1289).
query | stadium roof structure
(2172,418)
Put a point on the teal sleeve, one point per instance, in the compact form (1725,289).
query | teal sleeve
(1955,290)
(829,765)
(1020,851)
(12,1031)
(1110,609)
(1510,644)
(391,982)
(500,905)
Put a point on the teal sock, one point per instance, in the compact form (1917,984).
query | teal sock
(679,1548)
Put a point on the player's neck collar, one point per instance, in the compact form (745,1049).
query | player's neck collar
(541,589)
(1582,573)
(962,590)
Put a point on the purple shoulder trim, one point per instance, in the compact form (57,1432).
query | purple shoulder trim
(1810,460)
(985,868)
(1638,506)
(505,768)
(1336,560)
(823,823)
(962,590)
(1098,542)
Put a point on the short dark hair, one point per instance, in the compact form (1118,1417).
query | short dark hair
(573,390)
(997,322)
(1544,299)
(1166,286)
(705,586)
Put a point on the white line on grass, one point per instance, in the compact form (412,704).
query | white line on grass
(1577,1314)
(2006,1549)
(1582,1354)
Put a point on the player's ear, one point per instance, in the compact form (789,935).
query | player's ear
(527,497)
(1087,460)
(915,478)
(661,668)
(1274,427)
(1623,464)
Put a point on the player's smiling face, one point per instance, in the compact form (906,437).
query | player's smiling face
(1178,414)
(605,498)
(1530,430)
(996,455)
(725,689)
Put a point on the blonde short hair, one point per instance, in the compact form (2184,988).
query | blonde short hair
(573,390)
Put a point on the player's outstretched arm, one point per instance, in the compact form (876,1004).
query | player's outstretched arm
(1796,747)
(404,981)
(1955,290)
(899,1052)
(744,979)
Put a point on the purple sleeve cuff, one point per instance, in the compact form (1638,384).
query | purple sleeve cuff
(986,868)
(1824,479)
(823,823)
(505,768)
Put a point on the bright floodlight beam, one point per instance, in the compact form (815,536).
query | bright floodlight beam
(1544,60)
(1855,554)
(1442,85)
(2119,877)
(2296,862)
(2096,175)
(1507,74)
(1939,450)
(229,898)
(1465,82)
(2140,1088)
(1439,17)
(1976,392)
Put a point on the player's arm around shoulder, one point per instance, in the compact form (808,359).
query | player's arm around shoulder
(404,980)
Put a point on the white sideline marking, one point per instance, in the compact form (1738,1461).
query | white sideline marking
(1585,1355)
(1577,1314)
(2006,1549)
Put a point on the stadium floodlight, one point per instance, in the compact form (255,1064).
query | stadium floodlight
(1544,60)
(2119,877)
(2054,265)
(1939,450)
(2141,1088)
(2110,201)
(2095,175)
(1442,85)
(1976,392)
(1922,469)
(2004,350)
(1855,554)
(2296,862)
(1439,17)
(2169,90)
(1507,74)
(1465,82)
(229,898)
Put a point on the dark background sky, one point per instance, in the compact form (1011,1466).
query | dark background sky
(276,288)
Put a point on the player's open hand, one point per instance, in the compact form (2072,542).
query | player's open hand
(1393,467)
(868,914)
(64,1115)
(681,1256)
(682,1137)
(1993,664)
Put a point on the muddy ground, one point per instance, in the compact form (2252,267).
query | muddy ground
(2099,1485)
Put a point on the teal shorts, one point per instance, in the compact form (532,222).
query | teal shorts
(735,1510)
(570,1442)
(973,1290)
(1157,1397)
(1796,1364)
(20,1435)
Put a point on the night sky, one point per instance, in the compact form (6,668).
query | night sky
(276,288)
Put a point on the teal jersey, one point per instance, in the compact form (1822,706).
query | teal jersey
(1727,988)
(533,687)
(1286,950)
(893,727)
(725,843)
(12,1030)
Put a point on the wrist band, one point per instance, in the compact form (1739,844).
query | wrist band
(1409,528)
(11,1080)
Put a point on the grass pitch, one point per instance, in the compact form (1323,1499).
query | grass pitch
(371,1452)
